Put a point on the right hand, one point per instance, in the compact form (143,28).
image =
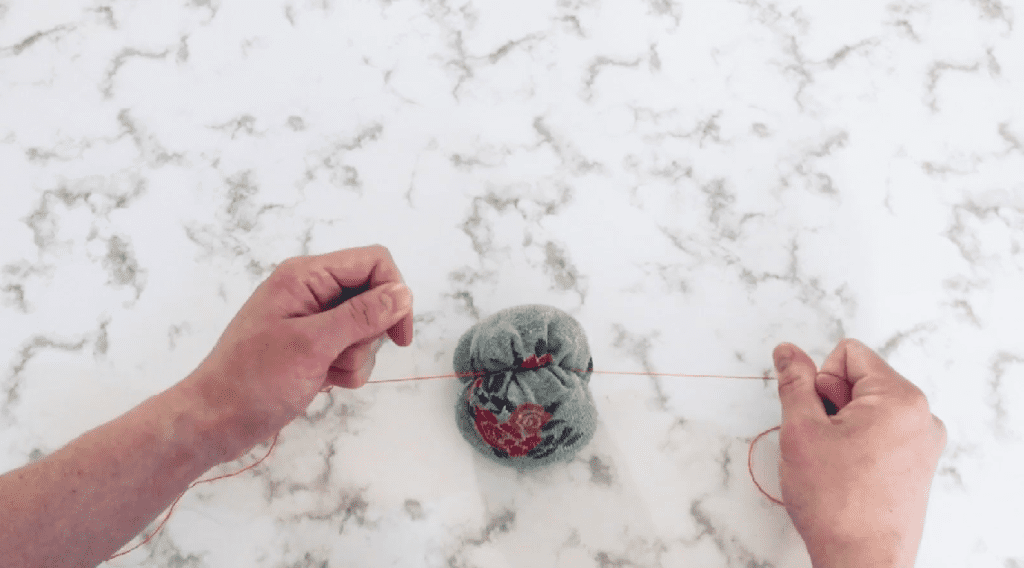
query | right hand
(855,483)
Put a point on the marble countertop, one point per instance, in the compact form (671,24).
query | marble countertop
(695,182)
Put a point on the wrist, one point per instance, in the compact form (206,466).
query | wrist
(206,424)
(872,551)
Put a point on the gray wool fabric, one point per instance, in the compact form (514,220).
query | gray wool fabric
(522,417)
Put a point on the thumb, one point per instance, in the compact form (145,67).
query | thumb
(796,374)
(362,317)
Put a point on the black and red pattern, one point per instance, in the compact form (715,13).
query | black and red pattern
(516,436)
(529,429)
(532,362)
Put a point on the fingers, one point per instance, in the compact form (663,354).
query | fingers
(350,379)
(796,376)
(358,359)
(352,369)
(360,319)
(834,388)
(355,356)
(371,266)
(855,364)
(346,301)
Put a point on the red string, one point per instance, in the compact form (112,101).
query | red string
(750,451)
(171,509)
(479,373)
(750,465)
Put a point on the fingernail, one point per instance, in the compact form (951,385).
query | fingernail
(401,297)
(783,356)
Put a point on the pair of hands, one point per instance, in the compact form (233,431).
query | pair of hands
(855,483)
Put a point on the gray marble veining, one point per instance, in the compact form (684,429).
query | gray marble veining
(694,181)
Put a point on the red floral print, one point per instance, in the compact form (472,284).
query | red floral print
(530,417)
(532,362)
(517,435)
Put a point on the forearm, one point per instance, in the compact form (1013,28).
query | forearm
(79,505)
(879,550)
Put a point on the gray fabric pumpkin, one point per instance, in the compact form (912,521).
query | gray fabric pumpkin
(527,400)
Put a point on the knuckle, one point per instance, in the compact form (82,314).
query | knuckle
(384,253)
(788,383)
(848,342)
(290,264)
(911,412)
(786,389)
(853,345)
(917,401)
(286,274)
(361,313)
(942,431)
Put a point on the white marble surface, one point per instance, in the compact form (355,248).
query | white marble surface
(694,181)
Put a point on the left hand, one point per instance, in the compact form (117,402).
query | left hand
(315,322)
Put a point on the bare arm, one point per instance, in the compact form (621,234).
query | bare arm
(79,505)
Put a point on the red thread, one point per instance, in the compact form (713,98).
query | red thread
(750,466)
(530,363)
(171,509)
(646,374)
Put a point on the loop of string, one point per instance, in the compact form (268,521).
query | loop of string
(750,451)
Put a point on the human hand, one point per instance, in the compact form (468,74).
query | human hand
(856,483)
(315,322)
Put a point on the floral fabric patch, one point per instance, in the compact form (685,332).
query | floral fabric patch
(517,435)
